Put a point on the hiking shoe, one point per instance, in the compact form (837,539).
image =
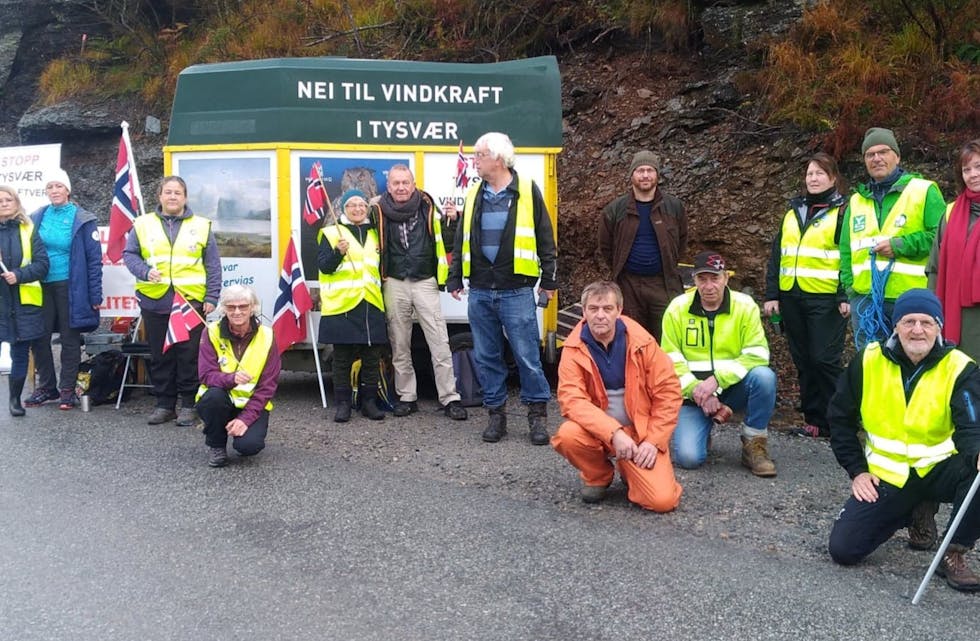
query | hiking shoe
(455,411)
(922,526)
(404,408)
(593,493)
(341,412)
(958,574)
(161,415)
(40,397)
(496,425)
(67,400)
(186,416)
(811,431)
(755,456)
(217,457)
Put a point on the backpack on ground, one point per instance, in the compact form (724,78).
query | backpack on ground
(467,383)
(387,397)
(105,376)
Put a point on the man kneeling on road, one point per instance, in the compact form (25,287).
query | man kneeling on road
(917,398)
(618,390)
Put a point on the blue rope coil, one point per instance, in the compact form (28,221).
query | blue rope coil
(872,323)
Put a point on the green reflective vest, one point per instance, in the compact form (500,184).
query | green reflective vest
(906,216)
(252,362)
(181,265)
(525,241)
(30,293)
(904,435)
(357,277)
(810,258)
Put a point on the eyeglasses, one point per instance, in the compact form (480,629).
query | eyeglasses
(877,154)
(481,154)
(239,308)
(910,323)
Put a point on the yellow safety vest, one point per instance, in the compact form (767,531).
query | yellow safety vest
(906,216)
(810,258)
(252,362)
(903,435)
(181,265)
(357,277)
(525,241)
(30,293)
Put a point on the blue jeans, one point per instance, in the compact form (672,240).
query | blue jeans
(493,312)
(756,394)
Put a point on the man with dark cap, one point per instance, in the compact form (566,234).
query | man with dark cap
(889,228)
(715,338)
(642,236)
(917,399)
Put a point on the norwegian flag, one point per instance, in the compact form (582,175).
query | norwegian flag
(293,302)
(190,316)
(177,327)
(462,180)
(315,201)
(125,198)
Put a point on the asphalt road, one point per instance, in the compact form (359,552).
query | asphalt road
(112,529)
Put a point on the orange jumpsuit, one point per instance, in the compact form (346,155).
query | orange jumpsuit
(652,399)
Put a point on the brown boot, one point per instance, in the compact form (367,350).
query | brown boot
(922,528)
(958,574)
(755,456)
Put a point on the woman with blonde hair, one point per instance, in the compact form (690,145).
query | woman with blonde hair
(23,263)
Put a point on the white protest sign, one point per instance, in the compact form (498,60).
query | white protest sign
(23,168)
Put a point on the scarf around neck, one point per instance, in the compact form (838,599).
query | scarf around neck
(405,215)
(959,259)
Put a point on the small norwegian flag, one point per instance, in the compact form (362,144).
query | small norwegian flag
(293,301)
(462,180)
(315,201)
(183,318)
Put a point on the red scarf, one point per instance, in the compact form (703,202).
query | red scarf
(959,260)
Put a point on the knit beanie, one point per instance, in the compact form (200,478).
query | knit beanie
(351,193)
(918,301)
(880,136)
(644,158)
(57,175)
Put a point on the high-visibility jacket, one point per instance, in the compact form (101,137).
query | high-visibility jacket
(525,240)
(358,276)
(434,227)
(727,347)
(810,257)
(30,293)
(181,265)
(252,362)
(905,217)
(914,434)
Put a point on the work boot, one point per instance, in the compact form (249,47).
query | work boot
(455,411)
(922,528)
(958,574)
(161,415)
(404,408)
(186,417)
(593,493)
(755,456)
(537,423)
(496,425)
(342,405)
(16,389)
(369,406)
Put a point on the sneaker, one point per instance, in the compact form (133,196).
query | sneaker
(217,457)
(923,533)
(455,411)
(958,574)
(161,415)
(40,397)
(811,431)
(67,400)
(593,493)
(404,408)
(755,456)
(186,417)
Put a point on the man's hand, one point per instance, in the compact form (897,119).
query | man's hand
(864,487)
(884,248)
(645,456)
(154,275)
(10,277)
(207,308)
(342,247)
(456,293)
(623,445)
(844,309)
(242,377)
(236,427)
(711,405)
(770,307)
(704,390)
(450,211)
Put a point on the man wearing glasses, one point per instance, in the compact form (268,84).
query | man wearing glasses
(889,227)
(918,400)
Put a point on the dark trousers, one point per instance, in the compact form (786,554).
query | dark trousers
(55,313)
(344,357)
(645,298)
(175,373)
(19,356)
(216,410)
(815,332)
(861,527)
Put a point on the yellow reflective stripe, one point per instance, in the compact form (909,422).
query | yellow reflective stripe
(816,252)
(876,459)
(899,267)
(686,379)
(736,368)
(942,450)
(526,254)
(701,366)
(525,232)
(824,274)
(865,243)
(755,350)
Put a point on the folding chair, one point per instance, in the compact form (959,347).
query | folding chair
(134,348)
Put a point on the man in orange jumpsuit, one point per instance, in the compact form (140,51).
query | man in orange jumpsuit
(621,397)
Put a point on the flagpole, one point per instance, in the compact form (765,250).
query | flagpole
(309,326)
(326,197)
(133,176)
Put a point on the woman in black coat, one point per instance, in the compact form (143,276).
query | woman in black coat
(23,263)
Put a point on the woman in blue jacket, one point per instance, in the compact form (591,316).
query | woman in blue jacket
(72,289)
(23,263)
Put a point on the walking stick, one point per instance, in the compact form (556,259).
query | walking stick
(946,539)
